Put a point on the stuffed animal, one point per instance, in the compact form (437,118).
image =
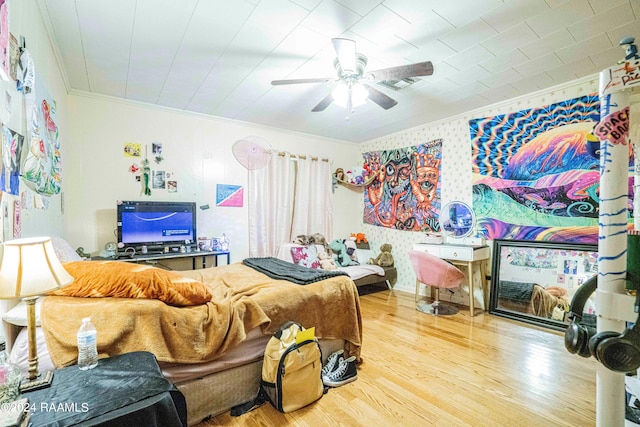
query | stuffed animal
(359,237)
(326,261)
(302,239)
(341,257)
(384,258)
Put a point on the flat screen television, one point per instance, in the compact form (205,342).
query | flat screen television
(155,224)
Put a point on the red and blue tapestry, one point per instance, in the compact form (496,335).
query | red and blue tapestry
(404,193)
(533,178)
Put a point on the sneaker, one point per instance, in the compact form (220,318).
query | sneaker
(333,361)
(343,374)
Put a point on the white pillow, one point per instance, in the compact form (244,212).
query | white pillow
(364,255)
(18,314)
(64,251)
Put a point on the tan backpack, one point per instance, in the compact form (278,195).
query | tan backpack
(291,372)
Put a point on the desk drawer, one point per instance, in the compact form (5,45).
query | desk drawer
(456,252)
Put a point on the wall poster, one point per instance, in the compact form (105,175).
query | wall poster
(405,193)
(533,178)
(229,195)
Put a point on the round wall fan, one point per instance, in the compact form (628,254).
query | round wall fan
(252,152)
(354,89)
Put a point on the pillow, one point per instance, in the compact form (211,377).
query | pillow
(352,250)
(63,250)
(18,314)
(364,255)
(98,279)
(306,256)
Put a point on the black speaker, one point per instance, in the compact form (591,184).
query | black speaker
(578,334)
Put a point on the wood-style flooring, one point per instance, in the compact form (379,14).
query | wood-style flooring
(421,370)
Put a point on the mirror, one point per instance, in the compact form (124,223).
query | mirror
(535,281)
(457,219)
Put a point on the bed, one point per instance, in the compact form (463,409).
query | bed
(363,274)
(212,351)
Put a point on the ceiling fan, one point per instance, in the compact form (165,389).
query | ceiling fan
(354,89)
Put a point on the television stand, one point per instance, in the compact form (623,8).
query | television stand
(174,260)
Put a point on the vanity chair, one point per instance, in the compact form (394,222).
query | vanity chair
(436,272)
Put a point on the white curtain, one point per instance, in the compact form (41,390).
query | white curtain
(270,204)
(288,198)
(312,202)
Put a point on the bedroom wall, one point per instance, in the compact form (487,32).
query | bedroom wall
(456,168)
(196,149)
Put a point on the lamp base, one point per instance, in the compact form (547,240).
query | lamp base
(41,381)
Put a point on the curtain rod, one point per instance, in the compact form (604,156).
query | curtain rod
(303,157)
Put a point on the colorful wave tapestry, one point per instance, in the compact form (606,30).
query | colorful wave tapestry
(405,191)
(533,178)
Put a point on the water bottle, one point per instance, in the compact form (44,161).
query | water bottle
(10,375)
(87,345)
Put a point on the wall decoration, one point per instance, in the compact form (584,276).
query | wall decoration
(405,193)
(11,154)
(4,41)
(42,164)
(17,219)
(159,181)
(156,150)
(229,195)
(14,56)
(533,178)
(132,149)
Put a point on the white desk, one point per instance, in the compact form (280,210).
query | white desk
(466,256)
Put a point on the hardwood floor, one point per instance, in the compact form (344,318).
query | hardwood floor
(448,371)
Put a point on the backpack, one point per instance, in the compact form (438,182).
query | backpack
(291,372)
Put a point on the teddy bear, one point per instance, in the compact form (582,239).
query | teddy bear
(341,257)
(384,258)
(326,261)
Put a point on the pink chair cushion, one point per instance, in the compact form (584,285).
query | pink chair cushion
(434,271)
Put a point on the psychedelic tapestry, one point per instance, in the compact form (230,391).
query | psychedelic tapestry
(533,178)
(403,190)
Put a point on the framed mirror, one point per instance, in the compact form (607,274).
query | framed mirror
(535,281)
(457,219)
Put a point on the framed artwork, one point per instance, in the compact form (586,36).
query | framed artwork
(229,195)
(534,281)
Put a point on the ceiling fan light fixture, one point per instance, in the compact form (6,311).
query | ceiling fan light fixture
(357,92)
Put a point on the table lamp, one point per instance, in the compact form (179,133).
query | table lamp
(29,268)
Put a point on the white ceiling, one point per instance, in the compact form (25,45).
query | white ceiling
(218,57)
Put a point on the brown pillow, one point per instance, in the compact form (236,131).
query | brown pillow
(97,279)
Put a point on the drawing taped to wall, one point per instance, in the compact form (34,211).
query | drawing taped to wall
(11,155)
(533,178)
(229,195)
(405,191)
(132,149)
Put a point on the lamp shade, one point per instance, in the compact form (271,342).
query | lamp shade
(30,267)
(356,92)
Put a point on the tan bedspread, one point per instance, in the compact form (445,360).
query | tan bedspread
(243,299)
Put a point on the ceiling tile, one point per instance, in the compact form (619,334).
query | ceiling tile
(502,78)
(330,19)
(549,43)
(534,83)
(278,15)
(618,33)
(611,18)
(607,58)
(463,12)
(307,4)
(514,12)
(469,90)
(539,65)
(361,7)
(600,6)
(470,34)
(506,60)
(473,55)
(468,74)
(498,94)
(380,25)
(570,71)
(565,14)
(517,36)
(434,51)
(584,48)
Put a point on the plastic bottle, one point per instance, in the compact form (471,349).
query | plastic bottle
(87,345)
(9,375)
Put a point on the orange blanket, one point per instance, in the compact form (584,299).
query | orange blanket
(242,300)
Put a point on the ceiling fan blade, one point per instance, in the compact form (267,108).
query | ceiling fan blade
(380,98)
(298,81)
(346,53)
(322,105)
(401,72)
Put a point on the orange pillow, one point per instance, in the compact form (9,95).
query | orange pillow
(97,279)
